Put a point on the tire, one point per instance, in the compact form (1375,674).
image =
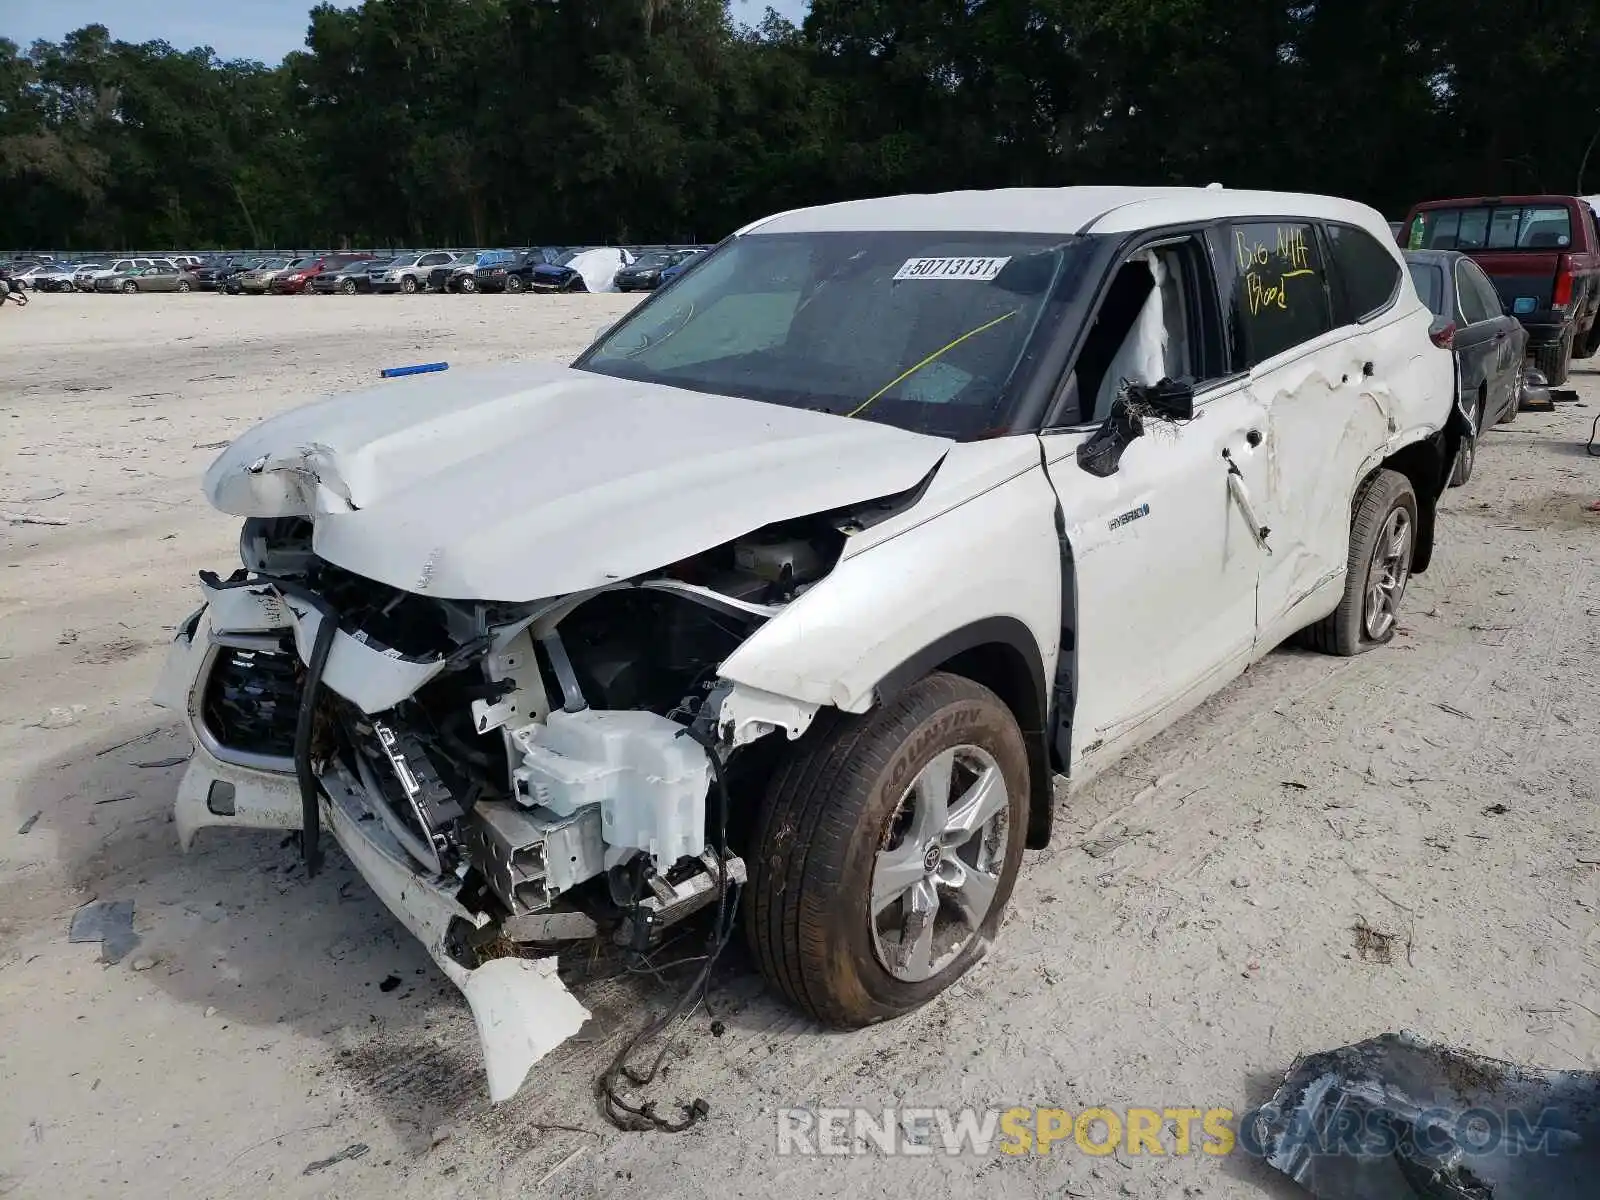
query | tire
(1467,452)
(408,285)
(514,284)
(129,287)
(348,287)
(1555,360)
(1348,631)
(467,285)
(1590,342)
(1515,406)
(840,806)
(183,287)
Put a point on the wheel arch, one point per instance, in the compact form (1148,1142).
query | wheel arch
(1427,464)
(1002,654)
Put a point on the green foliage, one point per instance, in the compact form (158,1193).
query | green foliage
(523,121)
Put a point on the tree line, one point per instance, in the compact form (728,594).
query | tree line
(503,122)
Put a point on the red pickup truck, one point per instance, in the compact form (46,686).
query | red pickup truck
(1542,254)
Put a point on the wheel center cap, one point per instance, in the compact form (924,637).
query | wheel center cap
(930,859)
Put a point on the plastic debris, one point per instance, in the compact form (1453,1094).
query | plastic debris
(422,369)
(29,823)
(349,1152)
(1396,1117)
(109,922)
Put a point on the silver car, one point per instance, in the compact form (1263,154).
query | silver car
(163,277)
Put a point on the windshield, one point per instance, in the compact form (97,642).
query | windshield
(490,258)
(566,256)
(925,331)
(1492,227)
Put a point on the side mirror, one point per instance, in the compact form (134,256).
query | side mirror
(1168,400)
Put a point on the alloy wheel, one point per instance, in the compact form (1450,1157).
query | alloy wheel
(1387,574)
(935,877)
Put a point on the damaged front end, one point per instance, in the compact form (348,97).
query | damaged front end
(507,776)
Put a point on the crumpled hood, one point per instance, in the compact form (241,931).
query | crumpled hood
(528,481)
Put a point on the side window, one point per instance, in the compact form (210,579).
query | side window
(1471,299)
(1279,297)
(1484,286)
(1368,275)
(1156,319)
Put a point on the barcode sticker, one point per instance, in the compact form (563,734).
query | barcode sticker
(979,270)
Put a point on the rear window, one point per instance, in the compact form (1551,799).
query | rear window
(1492,227)
(1429,281)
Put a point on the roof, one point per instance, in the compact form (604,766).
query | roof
(1442,257)
(1549,198)
(1072,210)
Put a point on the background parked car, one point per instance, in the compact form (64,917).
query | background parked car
(88,276)
(668,274)
(346,279)
(117,280)
(439,277)
(408,273)
(644,273)
(163,277)
(1543,256)
(231,282)
(1489,345)
(296,279)
(59,278)
(587,269)
(512,270)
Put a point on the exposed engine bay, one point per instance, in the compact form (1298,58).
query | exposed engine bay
(555,759)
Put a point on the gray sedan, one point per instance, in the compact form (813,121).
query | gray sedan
(162,278)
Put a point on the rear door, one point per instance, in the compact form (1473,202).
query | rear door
(1317,339)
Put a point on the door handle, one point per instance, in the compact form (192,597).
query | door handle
(1241,497)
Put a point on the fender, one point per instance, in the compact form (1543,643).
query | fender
(1017,675)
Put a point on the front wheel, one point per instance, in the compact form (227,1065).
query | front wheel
(513,284)
(348,287)
(886,851)
(408,285)
(467,285)
(130,287)
(1383,539)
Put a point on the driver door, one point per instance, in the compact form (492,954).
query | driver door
(1165,560)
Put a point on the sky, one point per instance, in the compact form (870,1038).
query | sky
(262,29)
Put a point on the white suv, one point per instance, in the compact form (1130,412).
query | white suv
(810,575)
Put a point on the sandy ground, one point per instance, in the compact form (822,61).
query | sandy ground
(1202,940)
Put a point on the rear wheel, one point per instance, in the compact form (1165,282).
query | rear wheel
(886,851)
(1383,533)
(513,284)
(1555,360)
(1518,386)
(183,286)
(1467,452)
